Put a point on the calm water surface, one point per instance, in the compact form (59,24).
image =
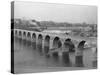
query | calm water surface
(27,59)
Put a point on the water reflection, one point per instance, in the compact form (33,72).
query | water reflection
(55,57)
(34,45)
(34,56)
(66,59)
(79,61)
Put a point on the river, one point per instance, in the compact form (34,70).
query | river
(29,60)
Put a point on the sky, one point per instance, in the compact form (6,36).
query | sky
(55,12)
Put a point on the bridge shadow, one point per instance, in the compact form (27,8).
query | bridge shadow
(79,61)
(39,48)
(34,45)
(55,58)
(65,59)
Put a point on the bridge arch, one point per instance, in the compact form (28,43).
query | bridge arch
(81,44)
(24,34)
(16,32)
(34,40)
(40,37)
(33,37)
(46,44)
(57,42)
(29,35)
(39,44)
(69,45)
(20,33)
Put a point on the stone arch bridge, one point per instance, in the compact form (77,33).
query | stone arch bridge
(52,42)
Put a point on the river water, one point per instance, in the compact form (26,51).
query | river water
(29,60)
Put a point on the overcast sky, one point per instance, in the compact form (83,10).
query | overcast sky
(56,12)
